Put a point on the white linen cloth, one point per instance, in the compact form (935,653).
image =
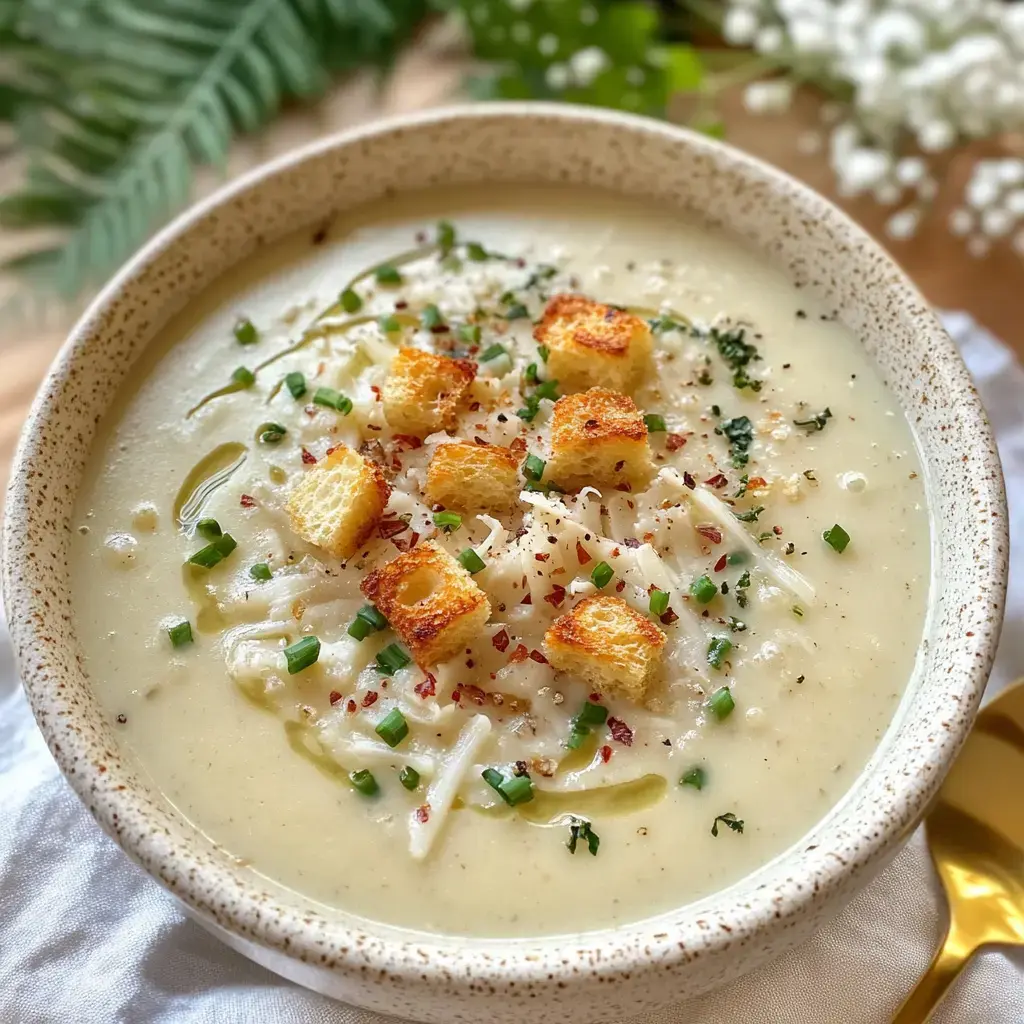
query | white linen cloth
(86,937)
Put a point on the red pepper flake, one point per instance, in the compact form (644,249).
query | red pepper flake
(480,441)
(335,698)
(756,482)
(247,501)
(406,543)
(422,814)
(712,533)
(777,530)
(582,555)
(718,480)
(518,445)
(620,586)
(721,563)
(527,600)
(542,556)
(350,707)
(621,732)
(606,754)
(388,528)
(334,448)
(370,698)
(624,486)
(689,481)
(500,640)
(519,654)
(536,656)
(475,407)
(669,617)
(427,688)
(407,441)
(673,442)
(376,392)
(631,542)
(456,696)
(308,458)
(555,598)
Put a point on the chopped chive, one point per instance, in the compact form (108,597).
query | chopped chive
(181,633)
(494,779)
(517,790)
(602,575)
(476,252)
(721,703)
(469,333)
(533,467)
(270,433)
(836,538)
(245,331)
(445,236)
(543,351)
(493,352)
(431,317)
(549,389)
(703,589)
(578,734)
(592,714)
(392,728)
(391,659)
(244,376)
(260,571)
(409,777)
(209,529)
(718,650)
(695,777)
(655,423)
(350,301)
(659,602)
(214,552)
(389,323)
(447,521)
(517,311)
(530,373)
(368,620)
(364,781)
(471,561)
(388,274)
(301,654)
(332,400)
(295,383)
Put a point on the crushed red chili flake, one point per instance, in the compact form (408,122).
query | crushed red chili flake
(673,442)
(542,556)
(536,656)
(456,696)
(620,586)
(619,465)
(407,441)
(721,563)
(582,555)
(555,598)
(334,448)
(689,481)
(370,698)
(669,617)
(423,814)
(406,543)
(376,392)
(718,480)
(624,486)
(350,707)
(755,482)
(480,441)
(519,654)
(606,753)
(712,533)
(475,407)
(247,501)
(631,542)
(595,697)
(621,732)
(500,640)
(527,600)
(335,698)
(426,688)
(777,530)
(308,457)
(388,528)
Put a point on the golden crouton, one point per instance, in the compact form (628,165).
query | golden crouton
(431,602)
(604,642)
(598,438)
(338,502)
(424,392)
(593,345)
(473,477)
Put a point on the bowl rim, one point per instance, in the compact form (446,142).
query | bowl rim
(649,944)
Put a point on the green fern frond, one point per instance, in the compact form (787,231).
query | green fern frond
(117,101)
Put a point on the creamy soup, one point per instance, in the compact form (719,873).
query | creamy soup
(503,563)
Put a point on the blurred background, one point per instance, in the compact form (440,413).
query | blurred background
(114,114)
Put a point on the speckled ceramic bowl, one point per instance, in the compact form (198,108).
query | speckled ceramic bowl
(597,976)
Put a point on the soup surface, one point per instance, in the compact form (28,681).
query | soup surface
(448,638)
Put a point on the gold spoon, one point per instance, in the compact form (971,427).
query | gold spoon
(976,837)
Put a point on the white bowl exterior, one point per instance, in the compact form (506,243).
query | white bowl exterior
(597,976)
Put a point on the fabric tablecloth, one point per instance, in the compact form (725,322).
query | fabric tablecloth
(86,937)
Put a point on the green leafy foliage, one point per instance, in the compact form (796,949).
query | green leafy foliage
(604,52)
(115,102)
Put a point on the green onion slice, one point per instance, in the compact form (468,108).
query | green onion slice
(602,575)
(364,782)
(703,589)
(295,383)
(493,352)
(209,529)
(836,538)
(721,703)
(181,633)
(655,423)
(270,433)
(301,654)
(332,400)
(245,331)
(391,659)
(260,571)
(471,561)
(533,467)
(387,274)
(214,552)
(431,317)
(409,777)
(350,301)
(447,521)
(469,333)
(718,650)
(244,376)
(658,602)
(695,777)
(392,728)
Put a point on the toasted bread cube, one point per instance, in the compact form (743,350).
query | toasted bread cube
(431,602)
(598,438)
(424,392)
(604,642)
(593,345)
(338,502)
(473,477)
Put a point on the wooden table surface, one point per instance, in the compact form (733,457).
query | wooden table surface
(429,75)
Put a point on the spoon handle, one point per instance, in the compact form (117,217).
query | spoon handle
(947,963)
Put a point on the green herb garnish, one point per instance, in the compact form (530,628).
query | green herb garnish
(181,633)
(543,351)
(718,651)
(391,659)
(350,301)
(296,384)
(738,354)
(517,789)
(469,333)
(750,516)
(476,252)
(517,311)
(655,423)
(602,575)
(364,781)
(244,376)
(409,777)
(471,561)
(740,434)
(836,538)
(389,323)
(301,654)
(209,529)
(658,602)
(579,828)
(447,521)
(270,433)
(494,351)
(742,584)
(392,728)
(245,332)
(729,819)
(368,620)
(703,589)
(387,274)
(816,422)
(533,467)
(260,572)
(695,777)
(333,400)
(445,237)
(214,552)
(721,703)
(431,317)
